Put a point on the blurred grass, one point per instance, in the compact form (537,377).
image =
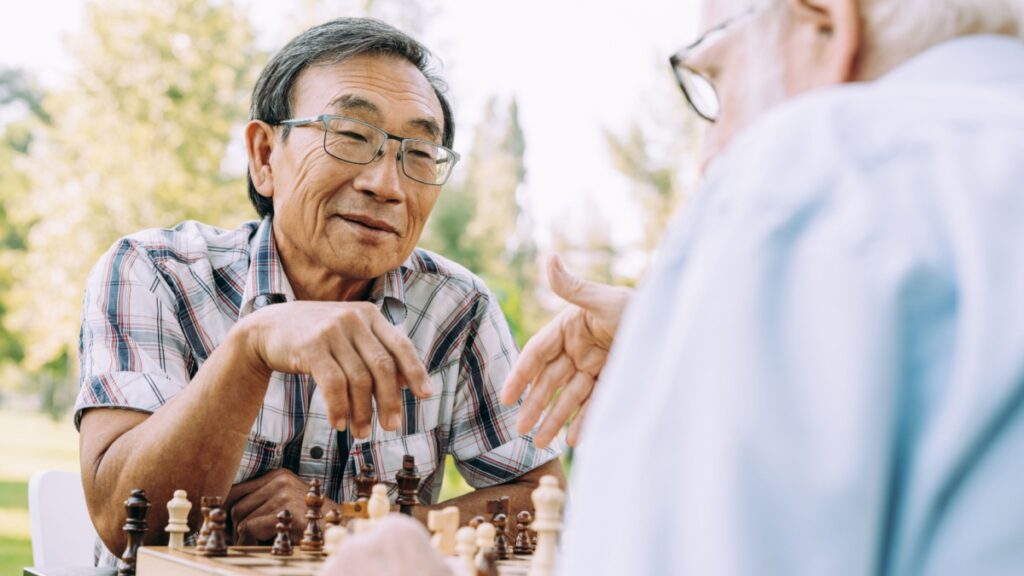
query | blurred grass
(29,442)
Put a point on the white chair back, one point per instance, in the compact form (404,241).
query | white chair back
(62,533)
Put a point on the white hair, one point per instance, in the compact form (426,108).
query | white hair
(897,30)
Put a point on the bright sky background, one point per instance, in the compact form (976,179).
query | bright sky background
(576,68)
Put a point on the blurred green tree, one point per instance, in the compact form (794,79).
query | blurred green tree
(141,136)
(482,220)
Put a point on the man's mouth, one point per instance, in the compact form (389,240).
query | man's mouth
(369,223)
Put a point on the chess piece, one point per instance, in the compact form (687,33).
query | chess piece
(408,485)
(206,503)
(379,504)
(283,542)
(216,543)
(499,506)
(476,521)
(547,500)
(313,537)
(364,482)
(332,518)
(501,546)
(524,543)
(485,534)
(136,507)
(361,525)
(465,548)
(487,564)
(333,537)
(443,523)
(177,519)
(357,509)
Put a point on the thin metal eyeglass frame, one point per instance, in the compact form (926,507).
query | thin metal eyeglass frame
(678,60)
(324,119)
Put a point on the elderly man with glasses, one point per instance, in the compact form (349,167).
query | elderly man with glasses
(317,343)
(823,372)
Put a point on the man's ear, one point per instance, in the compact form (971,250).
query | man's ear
(259,143)
(837,27)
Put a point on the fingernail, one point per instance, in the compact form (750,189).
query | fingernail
(340,424)
(394,421)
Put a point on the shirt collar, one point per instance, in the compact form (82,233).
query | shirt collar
(268,284)
(987,59)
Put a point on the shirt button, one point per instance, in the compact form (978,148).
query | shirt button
(316,452)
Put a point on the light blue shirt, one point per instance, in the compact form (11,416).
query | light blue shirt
(823,373)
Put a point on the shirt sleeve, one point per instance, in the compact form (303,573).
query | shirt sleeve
(486,447)
(132,350)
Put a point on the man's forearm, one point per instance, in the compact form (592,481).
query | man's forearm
(518,491)
(193,443)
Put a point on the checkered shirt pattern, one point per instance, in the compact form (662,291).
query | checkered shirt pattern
(160,301)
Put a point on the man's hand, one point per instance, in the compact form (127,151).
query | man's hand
(566,356)
(352,352)
(396,546)
(254,505)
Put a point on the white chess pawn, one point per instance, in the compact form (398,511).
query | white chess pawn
(465,548)
(379,504)
(547,500)
(177,515)
(333,538)
(443,523)
(485,534)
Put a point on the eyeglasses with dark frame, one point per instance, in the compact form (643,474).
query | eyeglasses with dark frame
(698,89)
(357,142)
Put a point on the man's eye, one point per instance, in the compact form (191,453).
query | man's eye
(354,136)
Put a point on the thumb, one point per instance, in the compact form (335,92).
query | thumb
(572,288)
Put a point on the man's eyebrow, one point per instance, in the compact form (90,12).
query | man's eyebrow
(428,125)
(353,103)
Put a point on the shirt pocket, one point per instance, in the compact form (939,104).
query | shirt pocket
(260,456)
(387,456)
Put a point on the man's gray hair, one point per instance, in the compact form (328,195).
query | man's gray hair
(897,30)
(333,43)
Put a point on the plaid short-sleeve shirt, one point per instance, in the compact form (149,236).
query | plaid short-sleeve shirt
(160,302)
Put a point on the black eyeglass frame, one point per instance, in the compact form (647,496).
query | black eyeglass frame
(679,66)
(325,119)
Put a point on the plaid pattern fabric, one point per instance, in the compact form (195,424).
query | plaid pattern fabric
(159,302)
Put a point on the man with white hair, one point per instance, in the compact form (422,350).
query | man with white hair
(824,371)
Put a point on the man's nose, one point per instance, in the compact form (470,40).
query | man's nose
(382,177)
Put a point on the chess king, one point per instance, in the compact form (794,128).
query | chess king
(317,340)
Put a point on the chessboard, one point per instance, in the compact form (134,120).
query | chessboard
(257,560)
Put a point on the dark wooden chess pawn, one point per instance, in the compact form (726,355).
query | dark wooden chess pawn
(408,486)
(206,503)
(364,482)
(476,521)
(216,542)
(487,564)
(283,542)
(332,518)
(313,537)
(501,545)
(524,544)
(136,507)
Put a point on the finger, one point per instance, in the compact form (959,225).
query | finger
(257,526)
(243,489)
(360,382)
(543,348)
(333,382)
(406,358)
(385,378)
(577,424)
(572,397)
(572,288)
(554,376)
